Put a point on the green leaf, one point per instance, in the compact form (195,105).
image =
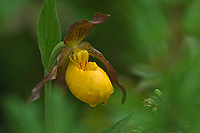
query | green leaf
(49,34)
(119,126)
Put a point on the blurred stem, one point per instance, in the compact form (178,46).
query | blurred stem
(175,19)
(48,107)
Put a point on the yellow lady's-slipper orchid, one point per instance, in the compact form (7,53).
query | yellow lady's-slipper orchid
(86,80)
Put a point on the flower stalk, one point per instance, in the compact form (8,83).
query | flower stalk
(48,107)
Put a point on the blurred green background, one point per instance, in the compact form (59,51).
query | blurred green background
(150,43)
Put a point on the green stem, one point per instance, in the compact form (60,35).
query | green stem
(52,60)
(48,107)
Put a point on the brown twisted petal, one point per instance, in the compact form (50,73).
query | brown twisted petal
(111,71)
(35,93)
(99,18)
(55,73)
(81,28)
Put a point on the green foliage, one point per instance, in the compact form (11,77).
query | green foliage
(157,106)
(139,130)
(119,126)
(49,34)
(153,103)
(23,118)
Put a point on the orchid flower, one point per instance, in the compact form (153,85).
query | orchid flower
(86,80)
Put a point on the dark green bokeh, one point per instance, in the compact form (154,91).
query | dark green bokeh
(151,44)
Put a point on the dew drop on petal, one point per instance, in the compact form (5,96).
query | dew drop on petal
(103,103)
